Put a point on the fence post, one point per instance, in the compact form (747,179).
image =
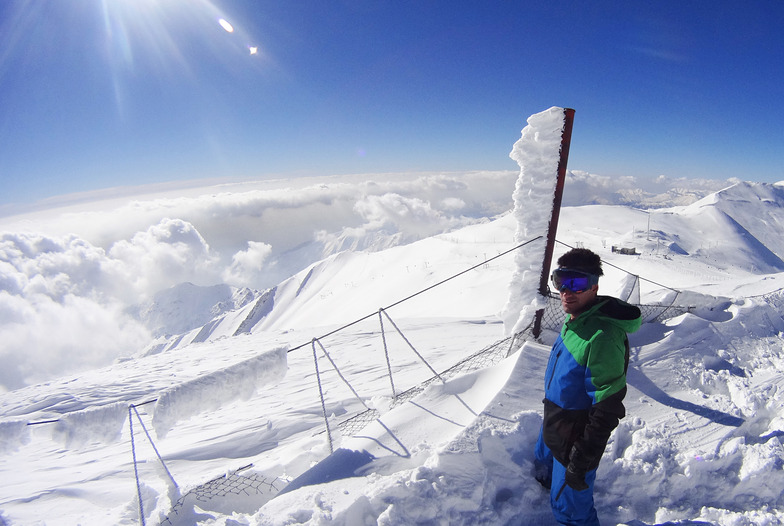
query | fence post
(321,395)
(386,352)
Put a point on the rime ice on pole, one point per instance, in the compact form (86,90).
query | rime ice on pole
(537,152)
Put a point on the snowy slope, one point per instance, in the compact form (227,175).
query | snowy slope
(702,442)
(314,297)
(187,306)
(757,208)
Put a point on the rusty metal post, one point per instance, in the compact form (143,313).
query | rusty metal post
(566,139)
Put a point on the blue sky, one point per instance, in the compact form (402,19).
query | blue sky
(96,94)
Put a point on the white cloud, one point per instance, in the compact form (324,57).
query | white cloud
(63,300)
(246,265)
(165,254)
(67,276)
(45,338)
(36,264)
(452,204)
(583,188)
(411,216)
(281,213)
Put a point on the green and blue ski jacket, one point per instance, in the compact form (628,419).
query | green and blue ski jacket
(585,382)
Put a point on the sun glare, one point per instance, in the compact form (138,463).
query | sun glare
(165,41)
(225,25)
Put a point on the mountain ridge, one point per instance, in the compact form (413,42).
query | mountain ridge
(312,297)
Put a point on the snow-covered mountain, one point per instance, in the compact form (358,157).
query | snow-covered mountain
(312,297)
(186,306)
(702,442)
(757,210)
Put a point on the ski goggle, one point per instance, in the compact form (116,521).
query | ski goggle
(573,280)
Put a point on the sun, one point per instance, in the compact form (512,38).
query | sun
(165,40)
(170,31)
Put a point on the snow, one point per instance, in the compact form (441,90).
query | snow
(537,152)
(224,377)
(209,392)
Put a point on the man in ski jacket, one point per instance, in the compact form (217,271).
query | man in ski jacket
(585,383)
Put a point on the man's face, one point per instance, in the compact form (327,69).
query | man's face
(575,303)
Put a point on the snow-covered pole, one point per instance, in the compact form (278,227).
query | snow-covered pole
(541,153)
(566,140)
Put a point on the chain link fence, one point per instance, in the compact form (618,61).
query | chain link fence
(250,484)
(235,484)
(552,319)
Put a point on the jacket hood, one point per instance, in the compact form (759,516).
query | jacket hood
(622,314)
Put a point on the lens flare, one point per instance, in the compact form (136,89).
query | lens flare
(225,25)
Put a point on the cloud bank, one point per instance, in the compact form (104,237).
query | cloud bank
(69,277)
